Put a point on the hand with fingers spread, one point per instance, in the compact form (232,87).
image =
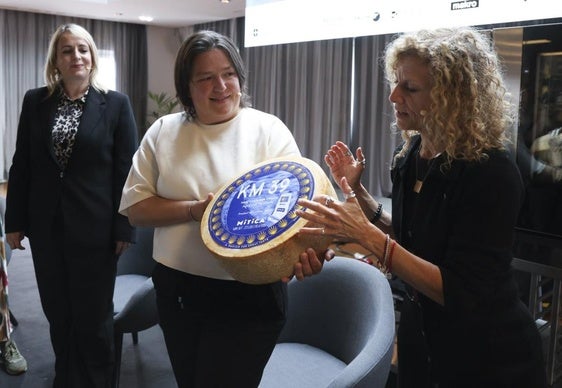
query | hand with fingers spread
(345,221)
(342,163)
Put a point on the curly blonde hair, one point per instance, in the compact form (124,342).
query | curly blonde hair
(469,111)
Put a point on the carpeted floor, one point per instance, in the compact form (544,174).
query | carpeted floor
(145,365)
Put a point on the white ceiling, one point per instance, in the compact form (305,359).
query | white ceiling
(166,13)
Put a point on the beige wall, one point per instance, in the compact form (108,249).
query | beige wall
(162,45)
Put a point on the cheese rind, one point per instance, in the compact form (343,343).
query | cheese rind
(251,226)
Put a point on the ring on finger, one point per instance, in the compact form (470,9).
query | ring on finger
(363,162)
(349,195)
(348,153)
(329,200)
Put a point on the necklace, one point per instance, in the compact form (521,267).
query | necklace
(423,167)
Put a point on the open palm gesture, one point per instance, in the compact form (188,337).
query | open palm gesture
(342,164)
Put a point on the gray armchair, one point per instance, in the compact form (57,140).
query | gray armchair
(339,332)
(134,298)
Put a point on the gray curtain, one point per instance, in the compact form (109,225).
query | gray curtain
(3,117)
(233,28)
(312,83)
(24,39)
(373,114)
(128,42)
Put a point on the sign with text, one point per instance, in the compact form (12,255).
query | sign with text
(285,21)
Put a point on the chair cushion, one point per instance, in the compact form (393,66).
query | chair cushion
(125,287)
(300,365)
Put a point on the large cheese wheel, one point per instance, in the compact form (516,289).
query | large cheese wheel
(251,227)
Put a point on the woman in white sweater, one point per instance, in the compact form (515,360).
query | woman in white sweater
(182,160)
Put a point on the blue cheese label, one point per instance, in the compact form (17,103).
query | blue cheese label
(260,205)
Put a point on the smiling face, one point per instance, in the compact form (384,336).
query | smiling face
(411,93)
(214,87)
(74,59)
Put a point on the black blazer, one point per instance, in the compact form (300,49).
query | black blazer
(85,196)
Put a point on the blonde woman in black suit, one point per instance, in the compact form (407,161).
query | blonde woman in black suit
(74,148)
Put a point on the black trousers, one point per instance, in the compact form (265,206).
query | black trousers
(218,333)
(76,291)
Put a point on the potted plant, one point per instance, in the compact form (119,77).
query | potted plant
(164,104)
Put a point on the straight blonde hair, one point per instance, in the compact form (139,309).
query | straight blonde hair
(52,74)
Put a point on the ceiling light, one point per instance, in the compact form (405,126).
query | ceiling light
(225,1)
(145,18)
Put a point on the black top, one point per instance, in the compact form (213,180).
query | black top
(463,220)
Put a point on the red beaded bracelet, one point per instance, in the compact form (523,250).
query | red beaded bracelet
(389,266)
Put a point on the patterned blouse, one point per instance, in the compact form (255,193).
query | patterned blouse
(67,120)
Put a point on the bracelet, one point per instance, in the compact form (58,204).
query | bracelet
(385,251)
(389,266)
(191,214)
(386,265)
(378,214)
(382,261)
